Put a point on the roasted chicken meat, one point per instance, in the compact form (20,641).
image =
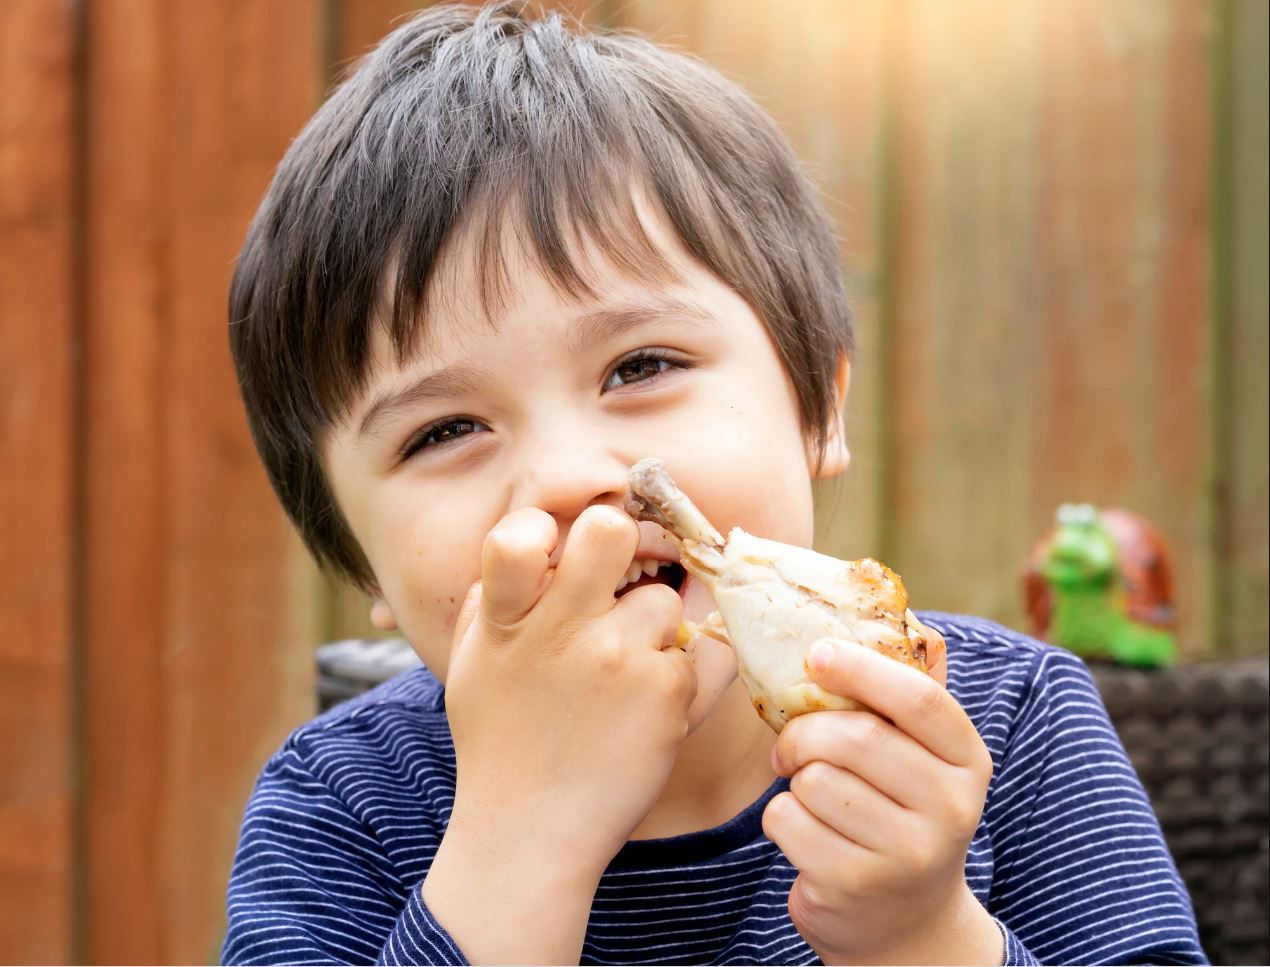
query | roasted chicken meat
(776,600)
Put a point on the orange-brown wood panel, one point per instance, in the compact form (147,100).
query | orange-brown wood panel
(1050,288)
(193,672)
(356,26)
(37,353)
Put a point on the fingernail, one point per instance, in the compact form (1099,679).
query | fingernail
(822,655)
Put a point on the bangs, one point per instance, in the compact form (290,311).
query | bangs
(574,228)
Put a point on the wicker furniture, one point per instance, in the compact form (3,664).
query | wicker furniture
(1198,735)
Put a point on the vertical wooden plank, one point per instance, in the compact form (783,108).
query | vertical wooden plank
(194,671)
(36,480)
(358,25)
(1051,297)
(123,457)
(1242,306)
(963,200)
(831,107)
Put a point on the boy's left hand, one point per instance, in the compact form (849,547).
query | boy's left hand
(881,810)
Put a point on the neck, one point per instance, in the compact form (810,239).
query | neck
(722,768)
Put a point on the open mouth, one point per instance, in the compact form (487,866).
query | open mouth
(645,572)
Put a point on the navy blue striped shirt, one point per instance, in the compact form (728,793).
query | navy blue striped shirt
(1068,857)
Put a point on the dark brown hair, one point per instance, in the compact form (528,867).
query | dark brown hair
(477,120)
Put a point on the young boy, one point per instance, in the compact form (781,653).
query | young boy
(504,262)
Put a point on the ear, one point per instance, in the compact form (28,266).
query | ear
(837,455)
(380,614)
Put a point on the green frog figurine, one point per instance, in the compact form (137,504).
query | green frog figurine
(1099,585)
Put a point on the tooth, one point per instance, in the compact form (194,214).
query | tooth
(633,572)
(650,567)
(621,584)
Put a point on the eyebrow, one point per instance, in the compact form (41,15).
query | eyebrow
(609,322)
(581,335)
(444,383)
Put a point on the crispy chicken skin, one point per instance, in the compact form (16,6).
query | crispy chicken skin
(775,600)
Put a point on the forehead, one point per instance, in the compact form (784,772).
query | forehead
(491,269)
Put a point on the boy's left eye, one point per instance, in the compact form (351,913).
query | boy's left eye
(640,367)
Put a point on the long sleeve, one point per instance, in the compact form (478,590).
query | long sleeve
(1082,873)
(312,884)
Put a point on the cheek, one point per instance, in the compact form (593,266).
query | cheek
(425,567)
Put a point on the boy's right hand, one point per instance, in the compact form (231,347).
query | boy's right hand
(567,707)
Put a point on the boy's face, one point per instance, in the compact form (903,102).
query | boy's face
(548,406)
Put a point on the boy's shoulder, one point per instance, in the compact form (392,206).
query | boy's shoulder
(1005,679)
(990,663)
(980,645)
(405,714)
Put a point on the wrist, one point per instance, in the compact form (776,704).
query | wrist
(959,931)
(520,902)
(554,842)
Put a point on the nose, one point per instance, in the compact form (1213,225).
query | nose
(567,476)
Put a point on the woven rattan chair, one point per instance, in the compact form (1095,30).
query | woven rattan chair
(1199,736)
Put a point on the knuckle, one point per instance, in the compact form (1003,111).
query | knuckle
(872,731)
(673,680)
(809,903)
(610,659)
(966,810)
(983,765)
(817,773)
(909,857)
(926,699)
(800,737)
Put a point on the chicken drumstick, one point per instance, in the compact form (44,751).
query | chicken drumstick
(775,600)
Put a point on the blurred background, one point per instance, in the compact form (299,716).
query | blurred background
(1054,224)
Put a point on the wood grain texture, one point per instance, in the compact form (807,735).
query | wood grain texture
(1051,287)
(191,677)
(37,539)
(1241,402)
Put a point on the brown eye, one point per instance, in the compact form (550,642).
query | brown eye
(639,369)
(439,434)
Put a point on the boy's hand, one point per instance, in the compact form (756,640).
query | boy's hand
(567,710)
(880,815)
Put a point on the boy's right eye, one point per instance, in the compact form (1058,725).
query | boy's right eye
(439,434)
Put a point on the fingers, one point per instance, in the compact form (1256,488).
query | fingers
(651,613)
(600,547)
(467,613)
(514,564)
(807,843)
(847,804)
(921,707)
(936,647)
(864,744)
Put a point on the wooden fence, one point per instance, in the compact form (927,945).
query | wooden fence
(1054,223)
